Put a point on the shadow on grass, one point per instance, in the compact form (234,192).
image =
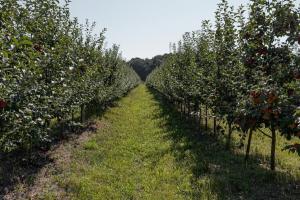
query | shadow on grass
(22,167)
(221,174)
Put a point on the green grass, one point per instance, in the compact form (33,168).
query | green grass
(146,151)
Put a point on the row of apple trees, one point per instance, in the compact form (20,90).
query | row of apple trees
(51,68)
(245,68)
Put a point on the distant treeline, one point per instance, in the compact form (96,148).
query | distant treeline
(144,67)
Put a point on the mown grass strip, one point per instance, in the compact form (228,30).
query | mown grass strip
(147,152)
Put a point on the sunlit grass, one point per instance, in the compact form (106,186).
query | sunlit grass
(261,147)
(147,151)
(132,159)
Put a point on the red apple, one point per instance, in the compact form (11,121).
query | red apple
(297,74)
(247,36)
(293,126)
(263,51)
(38,48)
(255,96)
(290,92)
(3,104)
(250,61)
(297,146)
(267,111)
(251,122)
(276,114)
(272,97)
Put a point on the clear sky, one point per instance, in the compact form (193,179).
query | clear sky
(144,28)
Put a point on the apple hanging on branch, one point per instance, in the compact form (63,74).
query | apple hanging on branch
(272,97)
(38,48)
(297,74)
(256,97)
(3,104)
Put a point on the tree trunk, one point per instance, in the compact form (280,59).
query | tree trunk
(215,125)
(200,117)
(82,113)
(196,117)
(248,145)
(47,123)
(188,111)
(229,135)
(273,147)
(181,110)
(206,118)
(73,118)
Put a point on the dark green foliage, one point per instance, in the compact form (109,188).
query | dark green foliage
(51,66)
(144,67)
(246,71)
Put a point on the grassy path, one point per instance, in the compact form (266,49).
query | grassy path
(131,158)
(143,151)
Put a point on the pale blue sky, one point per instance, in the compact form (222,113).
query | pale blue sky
(144,28)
